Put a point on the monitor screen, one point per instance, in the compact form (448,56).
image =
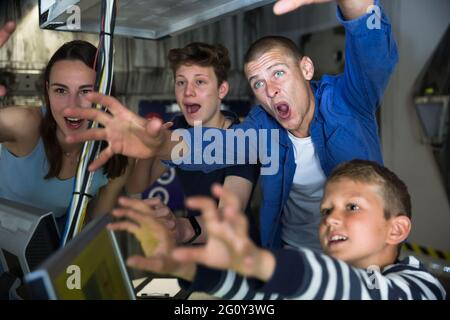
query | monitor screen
(89,267)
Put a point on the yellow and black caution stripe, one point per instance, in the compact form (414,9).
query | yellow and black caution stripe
(438,254)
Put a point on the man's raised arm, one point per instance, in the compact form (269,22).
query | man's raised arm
(351,9)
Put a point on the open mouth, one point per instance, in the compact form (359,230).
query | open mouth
(192,108)
(336,239)
(73,123)
(283,110)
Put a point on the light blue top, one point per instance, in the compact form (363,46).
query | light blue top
(22,180)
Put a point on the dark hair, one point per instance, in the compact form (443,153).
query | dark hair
(394,192)
(204,55)
(265,44)
(85,52)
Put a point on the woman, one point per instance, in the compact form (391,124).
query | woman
(37,167)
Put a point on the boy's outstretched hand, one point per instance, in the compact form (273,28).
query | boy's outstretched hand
(351,9)
(154,237)
(228,245)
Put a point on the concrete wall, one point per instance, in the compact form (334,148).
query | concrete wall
(418,27)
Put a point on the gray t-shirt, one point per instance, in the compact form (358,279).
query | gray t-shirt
(301,213)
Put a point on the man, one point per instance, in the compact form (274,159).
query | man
(320,124)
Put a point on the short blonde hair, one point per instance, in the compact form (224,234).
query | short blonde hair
(394,192)
(265,44)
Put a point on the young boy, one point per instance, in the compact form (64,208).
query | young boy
(366,211)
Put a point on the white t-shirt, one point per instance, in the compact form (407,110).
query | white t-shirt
(301,213)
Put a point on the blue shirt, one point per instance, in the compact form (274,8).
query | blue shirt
(344,125)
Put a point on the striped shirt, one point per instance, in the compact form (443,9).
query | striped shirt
(304,274)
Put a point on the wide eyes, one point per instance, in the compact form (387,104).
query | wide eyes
(182,83)
(63,91)
(352,207)
(325,212)
(279,74)
(60,90)
(258,84)
(85,91)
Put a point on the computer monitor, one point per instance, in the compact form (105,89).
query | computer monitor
(28,236)
(89,267)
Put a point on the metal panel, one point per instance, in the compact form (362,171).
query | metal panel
(152,19)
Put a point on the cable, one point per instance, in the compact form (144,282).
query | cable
(104,66)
